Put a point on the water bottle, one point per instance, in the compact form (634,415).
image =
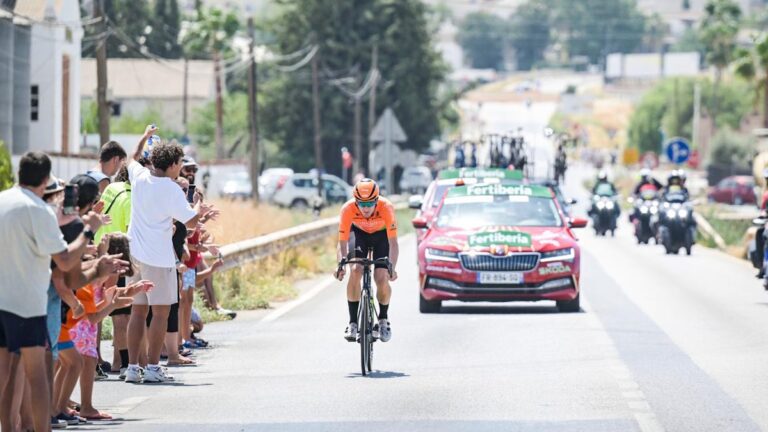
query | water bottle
(151,141)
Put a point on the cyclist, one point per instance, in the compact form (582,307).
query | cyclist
(369,220)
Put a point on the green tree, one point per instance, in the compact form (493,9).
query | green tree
(346,33)
(752,65)
(203,125)
(595,28)
(209,34)
(718,32)
(732,149)
(163,40)
(655,33)
(6,169)
(482,36)
(530,33)
(131,23)
(689,41)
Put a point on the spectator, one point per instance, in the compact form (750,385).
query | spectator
(30,225)
(112,157)
(117,205)
(155,201)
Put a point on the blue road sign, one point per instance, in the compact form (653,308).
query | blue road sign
(678,150)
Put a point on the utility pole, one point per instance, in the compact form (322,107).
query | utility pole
(358,139)
(696,138)
(252,112)
(185,97)
(316,119)
(371,110)
(101,74)
(219,107)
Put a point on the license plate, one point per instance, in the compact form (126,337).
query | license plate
(500,278)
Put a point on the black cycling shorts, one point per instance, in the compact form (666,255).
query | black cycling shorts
(361,241)
(17,332)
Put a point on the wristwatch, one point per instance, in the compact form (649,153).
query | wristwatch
(89,234)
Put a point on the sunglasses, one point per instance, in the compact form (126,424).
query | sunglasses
(190,169)
(367,204)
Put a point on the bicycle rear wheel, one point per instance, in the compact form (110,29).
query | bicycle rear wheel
(364,335)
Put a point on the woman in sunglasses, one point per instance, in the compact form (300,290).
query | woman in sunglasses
(368,222)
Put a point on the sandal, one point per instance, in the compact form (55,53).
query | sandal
(99,416)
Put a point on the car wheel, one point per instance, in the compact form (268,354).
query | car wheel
(429,306)
(300,204)
(569,306)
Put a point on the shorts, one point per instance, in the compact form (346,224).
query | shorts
(17,332)
(84,337)
(188,279)
(122,311)
(166,289)
(360,241)
(53,319)
(173,319)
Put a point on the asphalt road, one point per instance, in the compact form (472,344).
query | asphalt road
(670,343)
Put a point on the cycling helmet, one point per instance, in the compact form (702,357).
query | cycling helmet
(366,190)
(645,174)
(602,176)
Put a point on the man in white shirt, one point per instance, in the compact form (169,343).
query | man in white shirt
(30,231)
(156,201)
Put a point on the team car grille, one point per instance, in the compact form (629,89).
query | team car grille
(487,262)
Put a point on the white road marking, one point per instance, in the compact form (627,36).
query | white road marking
(128,404)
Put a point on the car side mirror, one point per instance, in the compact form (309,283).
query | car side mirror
(419,222)
(577,222)
(415,202)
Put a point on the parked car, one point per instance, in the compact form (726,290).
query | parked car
(736,190)
(271,180)
(237,186)
(415,180)
(300,191)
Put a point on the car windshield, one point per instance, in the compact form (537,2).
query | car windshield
(521,211)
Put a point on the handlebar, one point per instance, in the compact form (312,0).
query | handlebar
(366,263)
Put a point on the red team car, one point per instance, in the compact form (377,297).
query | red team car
(499,242)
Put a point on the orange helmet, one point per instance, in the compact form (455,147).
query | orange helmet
(366,190)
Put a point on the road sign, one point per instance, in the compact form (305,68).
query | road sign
(650,160)
(678,150)
(388,131)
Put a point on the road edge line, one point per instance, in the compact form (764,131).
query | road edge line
(293,304)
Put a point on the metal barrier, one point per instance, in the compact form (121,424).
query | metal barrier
(258,248)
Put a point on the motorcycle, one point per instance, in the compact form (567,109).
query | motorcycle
(604,214)
(643,217)
(677,228)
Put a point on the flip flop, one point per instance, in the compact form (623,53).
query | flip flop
(98,417)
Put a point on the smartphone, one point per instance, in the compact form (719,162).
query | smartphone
(70,199)
(191,193)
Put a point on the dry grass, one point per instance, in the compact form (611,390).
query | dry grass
(241,220)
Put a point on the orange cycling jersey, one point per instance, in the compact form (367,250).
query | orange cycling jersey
(383,218)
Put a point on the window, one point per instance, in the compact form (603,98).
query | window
(116,108)
(34,102)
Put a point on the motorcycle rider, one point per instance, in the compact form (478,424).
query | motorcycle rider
(602,179)
(647,182)
(675,185)
(561,163)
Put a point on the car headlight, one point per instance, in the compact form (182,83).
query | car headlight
(600,205)
(441,255)
(566,254)
(682,213)
(671,214)
(609,205)
(644,209)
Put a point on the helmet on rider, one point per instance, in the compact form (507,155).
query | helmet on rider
(645,175)
(366,190)
(602,176)
(683,176)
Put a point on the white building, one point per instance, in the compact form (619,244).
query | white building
(135,86)
(55,70)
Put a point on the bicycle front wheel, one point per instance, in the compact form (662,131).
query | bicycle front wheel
(370,315)
(364,335)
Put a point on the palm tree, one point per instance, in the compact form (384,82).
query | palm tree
(209,36)
(718,33)
(752,65)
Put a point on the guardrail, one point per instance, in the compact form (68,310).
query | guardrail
(258,248)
